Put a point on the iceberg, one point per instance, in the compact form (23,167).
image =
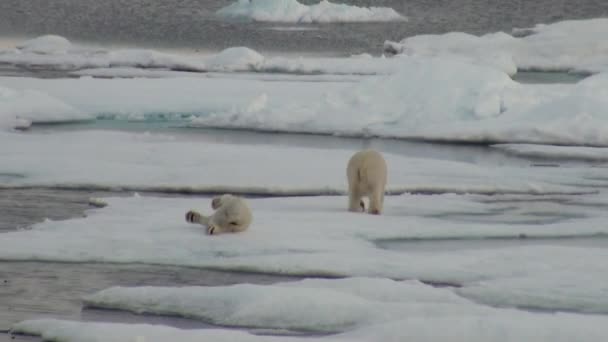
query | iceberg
(294,12)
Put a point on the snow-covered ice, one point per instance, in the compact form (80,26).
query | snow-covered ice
(19,108)
(507,326)
(479,104)
(144,161)
(317,236)
(311,305)
(294,12)
(572,45)
(58,53)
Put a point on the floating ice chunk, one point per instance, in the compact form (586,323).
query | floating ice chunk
(295,12)
(97,202)
(18,109)
(49,44)
(236,59)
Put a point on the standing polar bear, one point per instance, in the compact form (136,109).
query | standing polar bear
(367,174)
(232,215)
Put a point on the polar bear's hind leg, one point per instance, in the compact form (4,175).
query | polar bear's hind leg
(376,202)
(193,216)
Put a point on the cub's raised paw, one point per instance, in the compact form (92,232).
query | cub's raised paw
(192,216)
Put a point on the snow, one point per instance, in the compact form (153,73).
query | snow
(236,59)
(145,161)
(581,293)
(48,44)
(294,12)
(58,53)
(407,99)
(317,236)
(19,108)
(572,45)
(312,305)
(479,104)
(500,326)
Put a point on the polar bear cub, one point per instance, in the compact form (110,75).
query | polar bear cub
(367,175)
(232,215)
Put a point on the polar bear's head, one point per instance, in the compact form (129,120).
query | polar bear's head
(218,201)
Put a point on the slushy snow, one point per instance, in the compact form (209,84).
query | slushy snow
(294,12)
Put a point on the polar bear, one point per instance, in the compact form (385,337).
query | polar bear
(232,215)
(367,174)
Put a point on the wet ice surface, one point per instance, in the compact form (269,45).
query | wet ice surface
(46,289)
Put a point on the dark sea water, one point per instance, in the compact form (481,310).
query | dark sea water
(192,24)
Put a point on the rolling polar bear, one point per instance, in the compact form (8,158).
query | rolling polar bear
(232,215)
(367,174)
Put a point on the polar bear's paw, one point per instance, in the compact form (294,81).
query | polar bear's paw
(212,229)
(193,216)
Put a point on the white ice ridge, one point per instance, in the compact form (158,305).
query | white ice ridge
(58,53)
(573,45)
(157,162)
(292,11)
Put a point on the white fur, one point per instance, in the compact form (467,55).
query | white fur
(367,176)
(232,215)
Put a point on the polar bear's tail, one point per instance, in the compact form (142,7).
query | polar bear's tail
(195,217)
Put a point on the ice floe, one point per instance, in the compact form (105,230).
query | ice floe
(317,236)
(19,108)
(294,12)
(465,327)
(572,45)
(159,162)
(58,53)
(478,104)
(311,305)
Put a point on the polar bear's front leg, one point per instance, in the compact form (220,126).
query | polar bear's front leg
(196,217)
(193,216)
